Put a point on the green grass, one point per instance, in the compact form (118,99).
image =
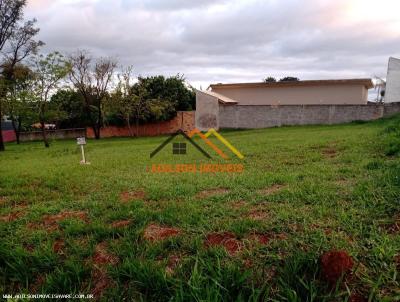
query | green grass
(339,188)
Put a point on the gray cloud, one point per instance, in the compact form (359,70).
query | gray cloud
(223,41)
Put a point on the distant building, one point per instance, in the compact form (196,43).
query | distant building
(271,104)
(327,92)
(392,93)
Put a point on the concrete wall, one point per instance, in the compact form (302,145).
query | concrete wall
(184,120)
(297,95)
(392,93)
(207,111)
(274,116)
(52,134)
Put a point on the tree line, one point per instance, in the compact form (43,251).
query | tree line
(77,90)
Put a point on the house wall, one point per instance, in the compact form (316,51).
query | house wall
(274,116)
(297,95)
(392,93)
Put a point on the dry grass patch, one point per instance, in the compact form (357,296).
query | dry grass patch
(133,195)
(59,246)
(329,151)
(51,219)
(272,189)
(173,263)
(37,284)
(28,247)
(51,222)
(237,205)
(344,182)
(227,240)
(393,227)
(257,213)
(259,238)
(100,279)
(12,216)
(102,256)
(212,192)
(121,223)
(3,200)
(154,232)
(101,282)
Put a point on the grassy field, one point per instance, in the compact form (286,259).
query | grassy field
(118,231)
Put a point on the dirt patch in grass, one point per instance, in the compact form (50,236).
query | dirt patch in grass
(173,263)
(154,232)
(393,227)
(50,222)
(58,246)
(329,152)
(343,182)
(132,195)
(100,279)
(101,282)
(257,214)
(272,189)
(262,239)
(212,192)
(335,264)
(51,219)
(11,216)
(355,297)
(397,261)
(3,200)
(324,228)
(102,256)
(37,284)
(279,236)
(28,247)
(227,240)
(121,224)
(237,205)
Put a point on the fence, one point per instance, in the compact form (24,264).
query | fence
(52,134)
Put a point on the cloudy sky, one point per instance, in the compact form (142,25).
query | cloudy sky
(212,41)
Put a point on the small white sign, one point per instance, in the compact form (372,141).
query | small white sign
(81,141)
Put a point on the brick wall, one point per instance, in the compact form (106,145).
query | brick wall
(184,120)
(8,136)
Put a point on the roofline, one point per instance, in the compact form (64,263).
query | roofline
(221,98)
(367,82)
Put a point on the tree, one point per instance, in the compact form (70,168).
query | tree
(173,89)
(17,78)
(289,79)
(49,71)
(11,12)
(122,102)
(19,105)
(92,80)
(69,101)
(270,80)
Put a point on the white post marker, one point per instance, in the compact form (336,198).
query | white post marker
(81,141)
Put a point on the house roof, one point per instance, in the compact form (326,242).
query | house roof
(365,82)
(221,98)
